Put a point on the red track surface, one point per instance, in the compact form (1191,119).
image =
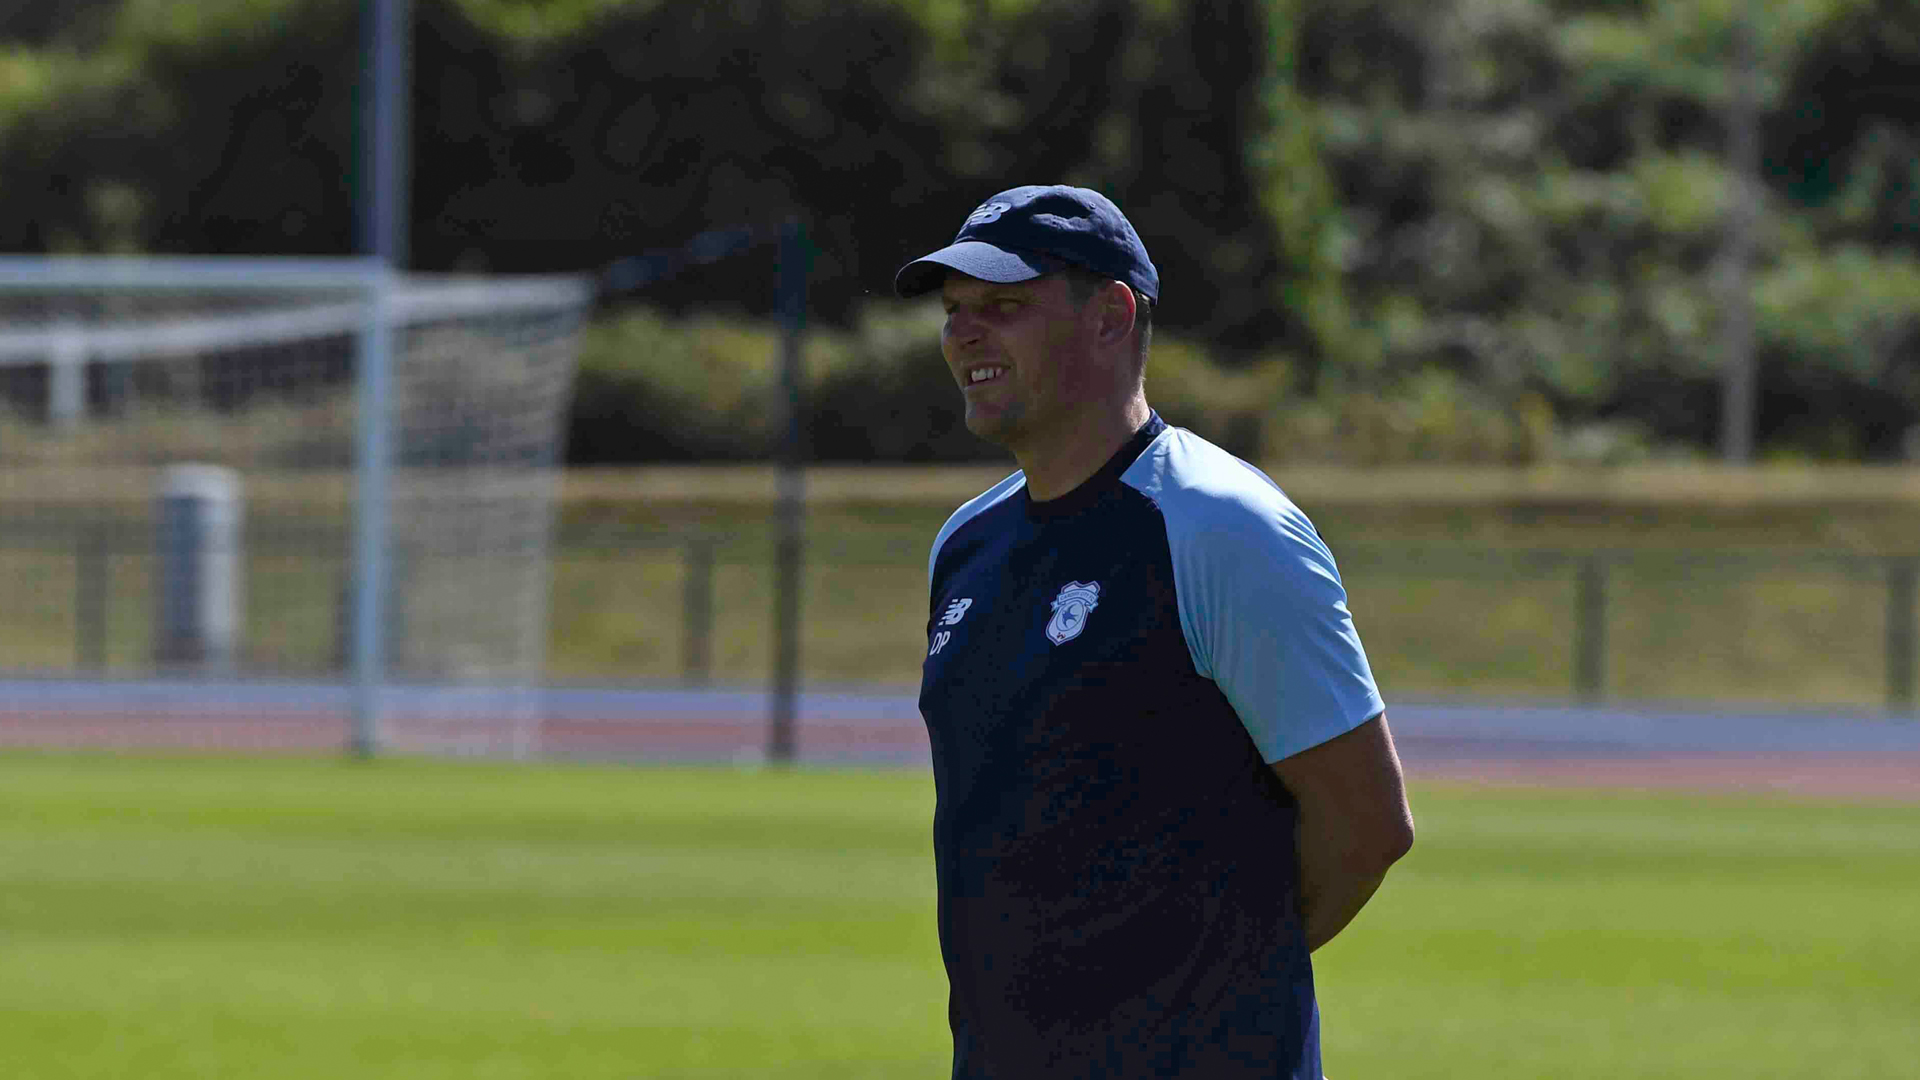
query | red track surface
(703,738)
(1809,774)
(1850,777)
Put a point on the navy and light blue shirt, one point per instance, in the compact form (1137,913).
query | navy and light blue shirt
(1109,676)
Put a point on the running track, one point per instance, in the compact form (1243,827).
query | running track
(1816,753)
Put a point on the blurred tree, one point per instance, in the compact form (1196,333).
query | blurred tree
(69,23)
(1533,197)
(1510,207)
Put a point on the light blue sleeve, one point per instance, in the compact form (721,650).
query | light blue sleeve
(1261,603)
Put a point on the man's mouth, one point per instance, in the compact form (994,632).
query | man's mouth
(984,374)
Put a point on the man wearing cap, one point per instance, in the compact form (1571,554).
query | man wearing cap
(1163,769)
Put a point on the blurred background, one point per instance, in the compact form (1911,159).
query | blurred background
(1586,331)
(1493,289)
(1472,232)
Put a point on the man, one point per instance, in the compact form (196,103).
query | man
(1163,770)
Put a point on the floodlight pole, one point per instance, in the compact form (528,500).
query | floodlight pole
(386,109)
(782,746)
(383,233)
(1743,146)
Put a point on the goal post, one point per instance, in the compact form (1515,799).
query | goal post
(392,441)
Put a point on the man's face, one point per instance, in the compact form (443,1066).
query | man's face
(1020,354)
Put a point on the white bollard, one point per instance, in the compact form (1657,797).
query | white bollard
(67,377)
(198,547)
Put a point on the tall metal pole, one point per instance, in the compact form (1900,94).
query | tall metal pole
(370,528)
(782,746)
(384,215)
(1903,631)
(1590,630)
(386,118)
(1743,151)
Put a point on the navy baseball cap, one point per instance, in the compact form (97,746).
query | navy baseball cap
(1025,232)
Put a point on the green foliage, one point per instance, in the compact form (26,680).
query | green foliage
(1428,415)
(886,394)
(34,81)
(205,25)
(652,388)
(538,23)
(1495,203)
(1231,406)
(27,80)
(657,388)
(1846,307)
(1300,202)
(1541,205)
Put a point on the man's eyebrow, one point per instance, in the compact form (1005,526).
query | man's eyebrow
(1001,292)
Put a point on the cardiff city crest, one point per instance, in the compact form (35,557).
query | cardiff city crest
(1070,610)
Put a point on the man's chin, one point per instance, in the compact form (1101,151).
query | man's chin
(998,430)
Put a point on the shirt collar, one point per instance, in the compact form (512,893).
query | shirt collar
(1095,487)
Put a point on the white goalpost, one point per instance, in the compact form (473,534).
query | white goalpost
(276,501)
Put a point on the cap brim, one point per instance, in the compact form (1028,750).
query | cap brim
(974,259)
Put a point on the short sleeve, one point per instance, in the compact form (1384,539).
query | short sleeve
(1266,618)
(1260,599)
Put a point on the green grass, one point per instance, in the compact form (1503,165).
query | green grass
(290,918)
(294,919)
(1551,934)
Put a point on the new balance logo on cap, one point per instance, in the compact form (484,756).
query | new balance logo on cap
(988,212)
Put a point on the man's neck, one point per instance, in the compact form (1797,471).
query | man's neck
(1077,449)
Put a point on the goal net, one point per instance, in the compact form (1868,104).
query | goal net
(267,503)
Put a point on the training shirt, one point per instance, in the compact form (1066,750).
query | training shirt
(1108,676)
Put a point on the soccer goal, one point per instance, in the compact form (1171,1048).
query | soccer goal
(298,503)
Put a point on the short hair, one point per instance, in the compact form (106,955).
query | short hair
(1083,283)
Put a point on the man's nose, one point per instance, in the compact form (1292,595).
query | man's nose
(962,327)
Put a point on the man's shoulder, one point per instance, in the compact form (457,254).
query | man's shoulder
(973,508)
(1202,488)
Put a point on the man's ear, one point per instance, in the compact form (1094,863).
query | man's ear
(1116,311)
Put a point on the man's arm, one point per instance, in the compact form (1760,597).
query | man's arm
(1354,823)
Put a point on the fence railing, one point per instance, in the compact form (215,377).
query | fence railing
(1590,579)
(1593,576)
(92,545)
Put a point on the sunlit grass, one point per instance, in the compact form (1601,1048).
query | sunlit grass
(214,918)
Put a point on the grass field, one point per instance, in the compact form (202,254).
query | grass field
(208,918)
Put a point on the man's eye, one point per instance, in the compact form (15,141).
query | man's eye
(1006,307)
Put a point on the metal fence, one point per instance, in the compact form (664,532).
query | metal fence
(687,611)
(1588,582)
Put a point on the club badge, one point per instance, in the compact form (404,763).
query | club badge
(1070,610)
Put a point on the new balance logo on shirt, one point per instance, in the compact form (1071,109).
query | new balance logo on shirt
(956,611)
